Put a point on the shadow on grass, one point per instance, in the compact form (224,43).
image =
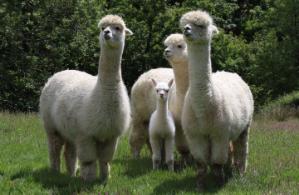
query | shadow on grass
(135,167)
(187,184)
(59,183)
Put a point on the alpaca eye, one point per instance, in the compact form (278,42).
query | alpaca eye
(103,28)
(200,25)
(117,28)
(180,46)
(157,90)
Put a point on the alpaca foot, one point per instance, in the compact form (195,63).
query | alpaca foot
(239,168)
(88,171)
(104,172)
(136,154)
(218,173)
(170,165)
(201,177)
(156,164)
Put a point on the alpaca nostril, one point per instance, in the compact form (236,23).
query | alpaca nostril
(187,30)
(166,52)
(106,32)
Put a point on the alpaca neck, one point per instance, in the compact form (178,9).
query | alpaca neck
(109,71)
(200,70)
(162,108)
(181,76)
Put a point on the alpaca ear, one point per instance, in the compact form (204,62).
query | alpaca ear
(215,30)
(128,32)
(154,82)
(170,83)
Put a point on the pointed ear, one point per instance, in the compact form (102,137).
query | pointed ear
(215,30)
(154,82)
(128,32)
(170,83)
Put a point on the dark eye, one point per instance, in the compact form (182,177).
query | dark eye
(117,28)
(200,25)
(166,90)
(180,46)
(103,28)
(157,90)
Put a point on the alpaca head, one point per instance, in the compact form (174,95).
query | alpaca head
(113,31)
(197,27)
(162,89)
(176,49)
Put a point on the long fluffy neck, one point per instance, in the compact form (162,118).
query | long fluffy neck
(162,108)
(200,70)
(109,71)
(181,76)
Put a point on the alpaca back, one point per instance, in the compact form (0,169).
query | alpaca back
(143,95)
(62,99)
(234,101)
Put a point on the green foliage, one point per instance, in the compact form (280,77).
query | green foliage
(259,40)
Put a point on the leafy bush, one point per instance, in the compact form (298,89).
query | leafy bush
(259,40)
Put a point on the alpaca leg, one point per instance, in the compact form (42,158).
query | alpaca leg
(106,152)
(70,158)
(199,148)
(241,152)
(138,137)
(219,157)
(182,147)
(228,168)
(87,155)
(55,143)
(169,147)
(156,148)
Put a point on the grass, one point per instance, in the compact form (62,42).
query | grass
(282,108)
(273,164)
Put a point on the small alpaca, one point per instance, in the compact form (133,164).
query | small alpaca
(86,113)
(162,127)
(218,107)
(176,54)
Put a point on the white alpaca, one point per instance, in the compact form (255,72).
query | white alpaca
(88,113)
(162,127)
(143,104)
(143,96)
(218,107)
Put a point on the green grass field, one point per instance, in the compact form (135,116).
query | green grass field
(273,164)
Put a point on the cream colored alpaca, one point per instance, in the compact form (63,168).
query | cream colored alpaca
(88,113)
(218,107)
(143,95)
(162,128)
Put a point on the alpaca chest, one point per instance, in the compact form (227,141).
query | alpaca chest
(108,118)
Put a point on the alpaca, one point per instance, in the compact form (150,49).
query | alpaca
(143,104)
(162,127)
(218,107)
(176,54)
(88,113)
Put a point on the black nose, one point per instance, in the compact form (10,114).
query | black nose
(166,52)
(187,30)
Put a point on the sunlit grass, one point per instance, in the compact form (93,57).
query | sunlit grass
(273,164)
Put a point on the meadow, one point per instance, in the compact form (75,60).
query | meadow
(24,168)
